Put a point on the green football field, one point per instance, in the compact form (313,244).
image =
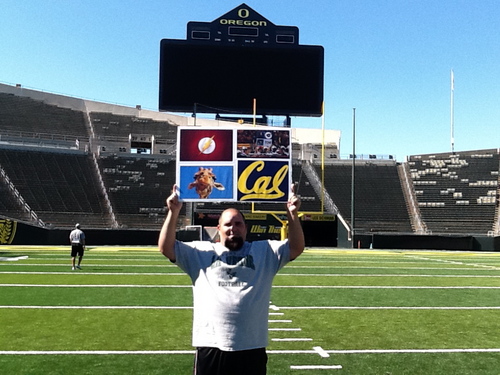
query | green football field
(129,311)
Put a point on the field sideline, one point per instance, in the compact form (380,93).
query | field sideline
(338,311)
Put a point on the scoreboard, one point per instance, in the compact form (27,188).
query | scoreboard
(224,65)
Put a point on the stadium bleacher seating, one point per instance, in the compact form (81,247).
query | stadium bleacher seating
(379,201)
(61,187)
(10,205)
(137,188)
(311,201)
(22,115)
(457,193)
(111,125)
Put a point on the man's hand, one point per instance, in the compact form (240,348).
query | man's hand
(166,241)
(173,202)
(293,204)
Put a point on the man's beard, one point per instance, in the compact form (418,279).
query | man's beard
(234,243)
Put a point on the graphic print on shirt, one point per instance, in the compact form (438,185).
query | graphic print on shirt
(231,268)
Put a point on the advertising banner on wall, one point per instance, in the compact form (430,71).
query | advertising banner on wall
(233,164)
(260,225)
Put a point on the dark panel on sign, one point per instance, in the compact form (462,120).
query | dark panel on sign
(243,31)
(285,38)
(284,79)
(203,35)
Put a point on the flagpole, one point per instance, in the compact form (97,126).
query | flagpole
(353,180)
(452,114)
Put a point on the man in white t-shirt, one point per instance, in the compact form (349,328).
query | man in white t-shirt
(77,241)
(231,288)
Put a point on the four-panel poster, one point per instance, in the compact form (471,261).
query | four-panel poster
(245,164)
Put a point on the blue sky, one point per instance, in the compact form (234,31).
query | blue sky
(389,59)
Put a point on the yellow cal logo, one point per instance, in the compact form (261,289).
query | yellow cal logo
(264,187)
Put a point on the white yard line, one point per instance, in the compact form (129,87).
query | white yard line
(93,352)
(13,259)
(321,352)
(382,287)
(97,273)
(270,321)
(99,307)
(391,308)
(106,259)
(279,274)
(160,352)
(460,263)
(91,265)
(285,329)
(93,286)
(383,275)
(315,367)
(389,351)
(396,351)
(474,268)
(274,286)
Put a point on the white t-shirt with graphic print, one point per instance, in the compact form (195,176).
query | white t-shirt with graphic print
(231,291)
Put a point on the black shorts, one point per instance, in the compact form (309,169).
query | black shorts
(77,250)
(213,361)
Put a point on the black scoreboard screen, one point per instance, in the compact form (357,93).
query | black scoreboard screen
(221,78)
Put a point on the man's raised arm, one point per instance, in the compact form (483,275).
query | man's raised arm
(166,241)
(295,234)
